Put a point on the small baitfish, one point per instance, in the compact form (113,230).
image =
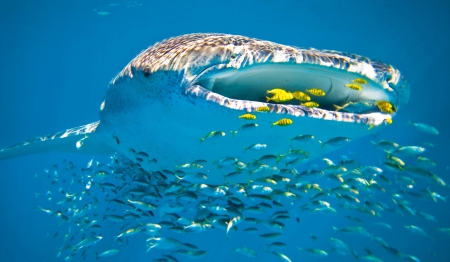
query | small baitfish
(279,95)
(283,122)
(424,128)
(262,109)
(336,141)
(247,116)
(255,147)
(212,134)
(301,96)
(353,86)
(360,81)
(310,104)
(316,92)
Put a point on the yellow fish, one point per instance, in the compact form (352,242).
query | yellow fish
(281,97)
(388,121)
(384,104)
(262,109)
(354,86)
(310,104)
(283,122)
(316,92)
(248,116)
(276,91)
(301,96)
(387,110)
(360,81)
(385,107)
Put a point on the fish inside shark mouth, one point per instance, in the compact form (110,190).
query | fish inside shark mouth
(343,90)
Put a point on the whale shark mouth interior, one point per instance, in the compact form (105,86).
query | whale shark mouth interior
(251,83)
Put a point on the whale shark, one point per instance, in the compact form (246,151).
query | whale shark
(199,103)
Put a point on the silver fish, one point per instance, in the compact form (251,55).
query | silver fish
(425,128)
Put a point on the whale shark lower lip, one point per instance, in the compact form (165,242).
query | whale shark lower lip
(188,87)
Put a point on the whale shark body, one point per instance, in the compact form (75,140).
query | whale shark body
(177,106)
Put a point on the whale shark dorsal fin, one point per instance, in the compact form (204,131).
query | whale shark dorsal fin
(82,139)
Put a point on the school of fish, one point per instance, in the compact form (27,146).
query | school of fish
(280,96)
(120,197)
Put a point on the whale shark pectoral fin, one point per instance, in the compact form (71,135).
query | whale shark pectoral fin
(82,139)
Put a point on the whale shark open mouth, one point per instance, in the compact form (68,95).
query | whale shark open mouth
(253,83)
(247,87)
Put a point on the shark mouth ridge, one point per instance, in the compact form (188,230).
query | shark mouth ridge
(349,96)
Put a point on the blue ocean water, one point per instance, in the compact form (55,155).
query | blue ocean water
(57,58)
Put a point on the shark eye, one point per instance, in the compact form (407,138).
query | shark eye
(147,72)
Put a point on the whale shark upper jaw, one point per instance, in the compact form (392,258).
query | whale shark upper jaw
(246,88)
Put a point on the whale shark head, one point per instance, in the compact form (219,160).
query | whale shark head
(184,101)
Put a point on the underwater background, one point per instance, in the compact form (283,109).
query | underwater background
(57,57)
